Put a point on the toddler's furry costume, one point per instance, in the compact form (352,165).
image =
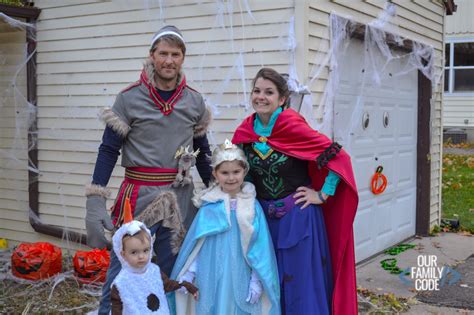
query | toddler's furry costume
(140,290)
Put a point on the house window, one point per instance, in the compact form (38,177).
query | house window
(459,67)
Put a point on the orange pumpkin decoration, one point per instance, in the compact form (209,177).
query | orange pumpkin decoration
(91,266)
(35,261)
(379,181)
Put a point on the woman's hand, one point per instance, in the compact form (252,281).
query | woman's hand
(308,196)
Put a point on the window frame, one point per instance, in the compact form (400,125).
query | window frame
(450,42)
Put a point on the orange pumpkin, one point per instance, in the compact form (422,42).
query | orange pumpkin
(91,266)
(35,261)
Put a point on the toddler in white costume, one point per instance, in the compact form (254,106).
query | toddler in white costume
(138,288)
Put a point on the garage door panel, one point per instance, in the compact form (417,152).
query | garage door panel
(387,159)
(363,178)
(389,140)
(405,161)
(384,223)
(384,89)
(404,219)
(383,217)
(407,125)
(386,132)
(346,87)
(407,89)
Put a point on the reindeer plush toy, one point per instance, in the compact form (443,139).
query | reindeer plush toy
(187,159)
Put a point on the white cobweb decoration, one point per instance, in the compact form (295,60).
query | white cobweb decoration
(378,58)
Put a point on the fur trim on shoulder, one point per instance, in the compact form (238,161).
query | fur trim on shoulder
(165,209)
(97,190)
(201,128)
(150,71)
(113,121)
(245,212)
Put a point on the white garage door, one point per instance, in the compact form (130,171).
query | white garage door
(389,111)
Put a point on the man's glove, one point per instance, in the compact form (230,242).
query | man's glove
(255,289)
(97,219)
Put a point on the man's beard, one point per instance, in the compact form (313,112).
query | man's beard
(166,79)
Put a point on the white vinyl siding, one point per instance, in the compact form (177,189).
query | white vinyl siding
(461,22)
(459,111)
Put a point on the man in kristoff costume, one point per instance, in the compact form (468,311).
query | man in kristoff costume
(149,121)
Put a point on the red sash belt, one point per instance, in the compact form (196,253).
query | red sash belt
(134,178)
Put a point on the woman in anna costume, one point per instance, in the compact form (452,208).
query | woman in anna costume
(296,171)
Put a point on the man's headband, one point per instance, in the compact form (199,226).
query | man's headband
(157,36)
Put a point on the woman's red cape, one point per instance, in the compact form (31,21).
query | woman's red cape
(293,136)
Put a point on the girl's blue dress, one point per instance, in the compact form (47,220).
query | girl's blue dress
(217,240)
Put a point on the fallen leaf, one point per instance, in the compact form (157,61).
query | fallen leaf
(456,186)
(470,162)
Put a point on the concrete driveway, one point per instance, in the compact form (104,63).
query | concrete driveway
(444,253)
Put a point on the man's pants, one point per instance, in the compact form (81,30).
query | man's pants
(165,259)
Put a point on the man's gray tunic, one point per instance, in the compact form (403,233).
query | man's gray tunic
(151,138)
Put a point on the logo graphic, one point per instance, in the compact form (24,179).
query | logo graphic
(427,276)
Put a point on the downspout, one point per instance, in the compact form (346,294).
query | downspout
(450,6)
(38,226)
(31,14)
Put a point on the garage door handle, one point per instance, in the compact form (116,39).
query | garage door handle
(385,119)
(365,120)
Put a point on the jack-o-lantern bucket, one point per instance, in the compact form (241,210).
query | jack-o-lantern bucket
(35,261)
(91,266)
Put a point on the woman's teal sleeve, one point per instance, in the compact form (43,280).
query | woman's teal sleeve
(330,184)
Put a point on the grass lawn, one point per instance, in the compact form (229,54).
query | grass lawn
(458,189)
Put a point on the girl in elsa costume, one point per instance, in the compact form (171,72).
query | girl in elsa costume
(228,252)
